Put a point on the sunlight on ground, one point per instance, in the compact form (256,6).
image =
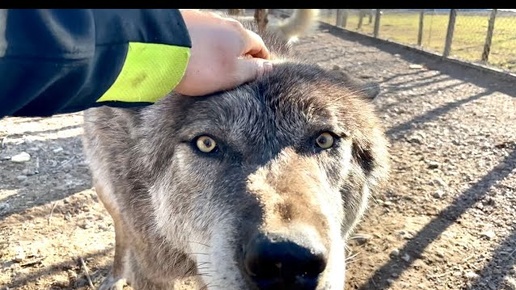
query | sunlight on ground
(5,193)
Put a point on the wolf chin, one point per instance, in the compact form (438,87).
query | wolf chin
(252,188)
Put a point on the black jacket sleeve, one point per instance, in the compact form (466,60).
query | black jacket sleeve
(63,60)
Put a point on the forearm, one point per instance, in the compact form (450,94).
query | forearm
(59,61)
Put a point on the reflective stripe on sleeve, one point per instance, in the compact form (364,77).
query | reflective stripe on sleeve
(150,72)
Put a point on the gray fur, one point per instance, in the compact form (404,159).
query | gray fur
(183,214)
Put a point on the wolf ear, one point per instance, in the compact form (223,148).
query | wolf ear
(368,90)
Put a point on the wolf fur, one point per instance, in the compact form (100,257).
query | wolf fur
(252,188)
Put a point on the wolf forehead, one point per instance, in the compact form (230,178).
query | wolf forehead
(292,101)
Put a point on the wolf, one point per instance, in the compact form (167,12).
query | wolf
(257,187)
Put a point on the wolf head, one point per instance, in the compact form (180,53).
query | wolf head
(264,183)
(257,187)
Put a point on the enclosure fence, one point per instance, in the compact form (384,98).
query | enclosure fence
(483,36)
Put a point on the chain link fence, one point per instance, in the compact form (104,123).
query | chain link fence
(484,36)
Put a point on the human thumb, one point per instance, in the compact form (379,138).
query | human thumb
(250,69)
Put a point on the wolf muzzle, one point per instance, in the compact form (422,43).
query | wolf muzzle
(278,262)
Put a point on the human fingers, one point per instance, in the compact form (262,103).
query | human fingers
(254,45)
(250,69)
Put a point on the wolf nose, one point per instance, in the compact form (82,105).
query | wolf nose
(276,264)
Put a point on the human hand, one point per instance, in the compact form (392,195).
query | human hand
(224,54)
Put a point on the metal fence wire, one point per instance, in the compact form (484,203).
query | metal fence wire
(485,36)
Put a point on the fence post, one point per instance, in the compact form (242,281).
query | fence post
(377,22)
(449,33)
(338,21)
(420,32)
(489,36)
(260,16)
(361,15)
(345,14)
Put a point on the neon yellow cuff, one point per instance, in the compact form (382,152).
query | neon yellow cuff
(147,74)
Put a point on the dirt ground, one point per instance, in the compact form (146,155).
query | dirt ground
(447,220)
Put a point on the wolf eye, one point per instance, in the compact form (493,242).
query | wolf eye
(205,144)
(325,140)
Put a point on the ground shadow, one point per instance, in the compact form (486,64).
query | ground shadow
(501,262)
(402,99)
(433,114)
(400,75)
(448,216)
(429,81)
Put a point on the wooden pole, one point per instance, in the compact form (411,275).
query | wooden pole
(489,36)
(377,23)
(421,22)
(449,34)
